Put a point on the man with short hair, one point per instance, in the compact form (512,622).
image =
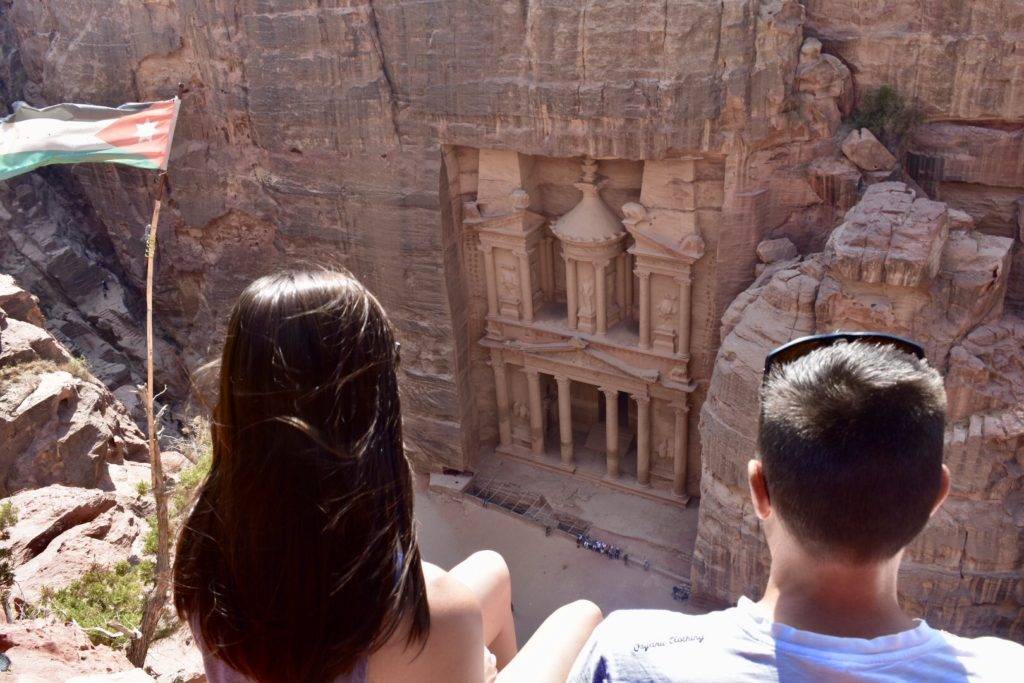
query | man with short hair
(849,472)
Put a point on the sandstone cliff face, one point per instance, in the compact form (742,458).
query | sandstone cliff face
(967,153)
(311,131)
(322,132)
(58,423)
(893,265)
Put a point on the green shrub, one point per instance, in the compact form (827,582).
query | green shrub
(142,488)
(103,597)
(149,544)
(190,479)
(79,367)
(8,515)
(887,115)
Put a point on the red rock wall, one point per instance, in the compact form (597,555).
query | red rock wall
(312,132)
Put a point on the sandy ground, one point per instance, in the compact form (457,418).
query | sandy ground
(547,571)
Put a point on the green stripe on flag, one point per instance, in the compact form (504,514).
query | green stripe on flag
(21,162)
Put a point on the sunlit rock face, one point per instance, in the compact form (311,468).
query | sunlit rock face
(894,265)
(343,135)
(58,423)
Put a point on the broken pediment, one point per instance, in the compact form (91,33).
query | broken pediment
(663,233)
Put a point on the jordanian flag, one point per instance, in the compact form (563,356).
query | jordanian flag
(137,134)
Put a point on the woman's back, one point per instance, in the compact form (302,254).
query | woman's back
(299,561)
(299,557)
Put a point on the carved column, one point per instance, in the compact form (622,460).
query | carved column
(611,427)
(525,286)
(628,259)
(501,390)
(679,454)
(565,419)
(620,284)
(645,309)
(600,270)
(683,333)
(643,439)
(492,283)
(570,291)
(536,412)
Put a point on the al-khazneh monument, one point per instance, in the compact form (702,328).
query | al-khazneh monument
(589,222)
(588,316)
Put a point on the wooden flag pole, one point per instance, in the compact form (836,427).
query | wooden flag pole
(154,605)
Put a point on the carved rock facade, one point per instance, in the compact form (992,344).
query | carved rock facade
(584,308)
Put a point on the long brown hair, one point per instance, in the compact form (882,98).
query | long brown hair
(299,557)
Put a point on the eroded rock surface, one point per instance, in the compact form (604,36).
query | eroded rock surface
(893,265)
(47,650)
(58,423)
(63,532)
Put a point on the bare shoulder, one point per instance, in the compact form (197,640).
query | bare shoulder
(453,650)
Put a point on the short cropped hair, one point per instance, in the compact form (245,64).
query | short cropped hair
(851,447)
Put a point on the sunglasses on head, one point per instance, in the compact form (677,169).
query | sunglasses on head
(798,348)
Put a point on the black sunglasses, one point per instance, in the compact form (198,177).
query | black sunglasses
(798,348)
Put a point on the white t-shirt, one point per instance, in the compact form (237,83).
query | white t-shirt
(743,644)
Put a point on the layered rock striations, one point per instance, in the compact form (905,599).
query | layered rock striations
(312,133)
(898,263)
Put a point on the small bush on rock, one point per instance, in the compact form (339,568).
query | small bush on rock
(104,602)
(887,115)
(149,544)
(79,367)
(8,517)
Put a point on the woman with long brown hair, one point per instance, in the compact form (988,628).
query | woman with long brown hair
(299,560)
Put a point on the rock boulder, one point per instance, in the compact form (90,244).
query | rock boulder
(47,650)
(863,148)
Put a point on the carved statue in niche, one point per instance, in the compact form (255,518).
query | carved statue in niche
(587,299)
(521,412)
(663,450)
(510,283)
(667,310)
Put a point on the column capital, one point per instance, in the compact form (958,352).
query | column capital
(681,408)
(485,247)
(686,276)
(641,399)
(643,275)
(609,391)
(521,253)
(531,372)
(602,263)
(560,379)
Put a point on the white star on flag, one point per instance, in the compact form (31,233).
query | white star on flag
(145,131)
